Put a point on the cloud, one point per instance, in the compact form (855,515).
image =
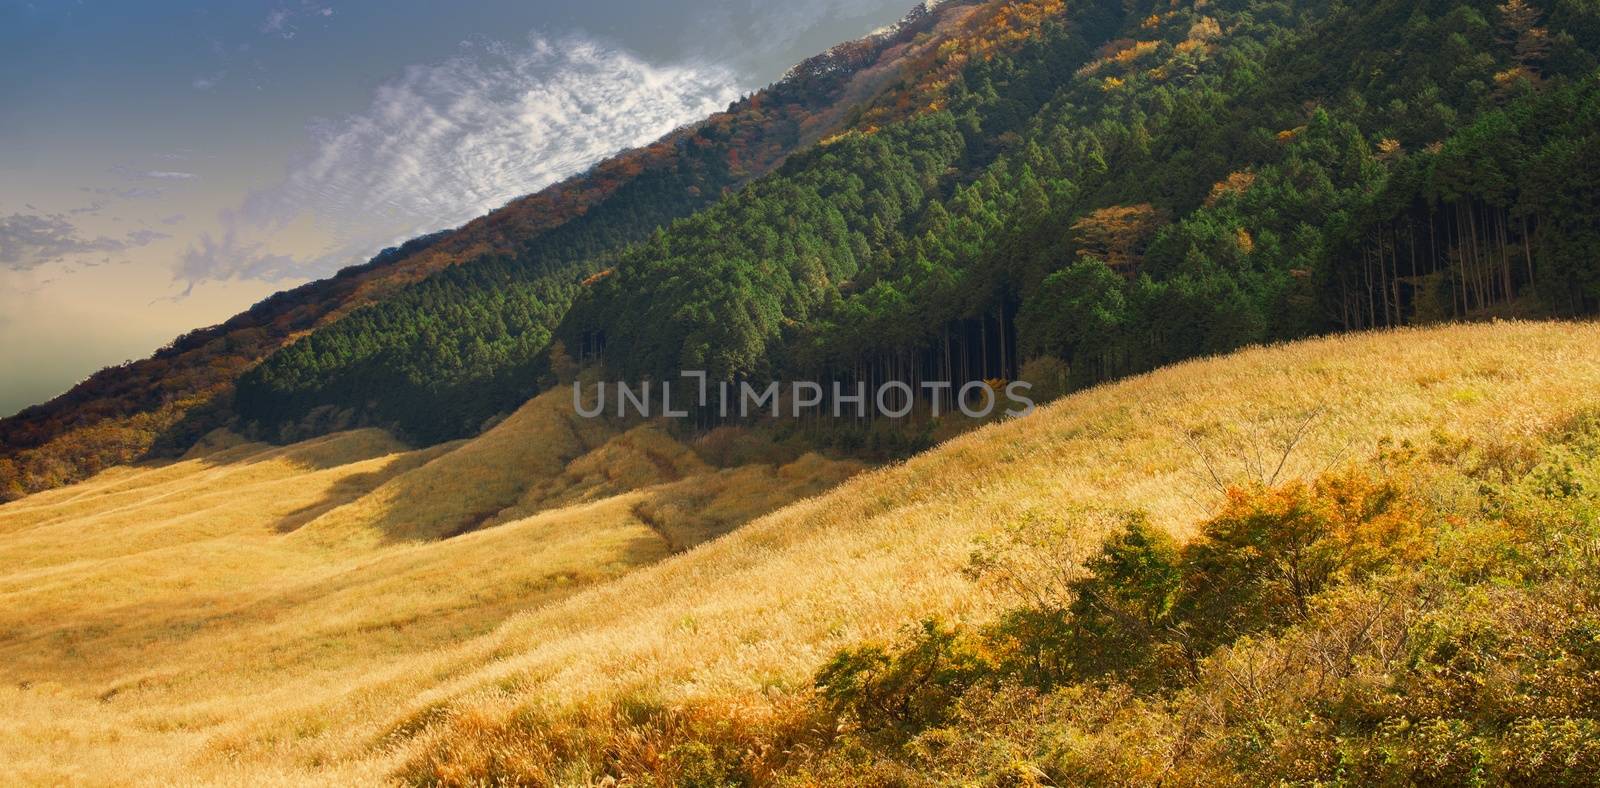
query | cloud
(127,193)
(232,253)
(278,22)
(209,81)
(447,142)
(752,32)
(28,241)
(145,236)
(136,174)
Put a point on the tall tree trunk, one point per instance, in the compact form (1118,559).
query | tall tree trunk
(983,339)
(1505,257)
(949,371)
(1344,300)
(1381,276)
(1527,250)
(1372,303)
(1005,356)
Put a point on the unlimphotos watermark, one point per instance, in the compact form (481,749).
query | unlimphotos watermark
(894,399)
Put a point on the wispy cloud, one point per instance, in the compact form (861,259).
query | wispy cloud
(277,22)
(280,21)
(138,174)
(234,256)
(751,32)
(144,236)
(447,142)
(30,240)
(208,81)
(124,192)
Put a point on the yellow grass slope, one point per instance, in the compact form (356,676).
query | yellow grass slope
(341,658)
(761,608)
(150,612)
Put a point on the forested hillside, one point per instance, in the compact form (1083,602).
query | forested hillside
(1113,186)
(1039,190)
(444,356)
(1367,557)
(1218,175)
(527,257)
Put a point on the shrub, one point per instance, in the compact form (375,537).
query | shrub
(901,691)
(1261,561)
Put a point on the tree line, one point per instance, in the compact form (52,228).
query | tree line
(1132,185)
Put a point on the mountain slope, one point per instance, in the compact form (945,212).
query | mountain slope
(1104,185)
(187,636)
(546,240)
(1108,186)
(309,566)
(443,357)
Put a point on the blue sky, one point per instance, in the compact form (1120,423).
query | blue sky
(165,164)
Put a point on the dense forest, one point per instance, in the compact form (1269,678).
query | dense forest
(1124,186)
(1189,191)
(438,359)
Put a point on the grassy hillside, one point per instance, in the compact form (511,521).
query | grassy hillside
(298,614)
(156,607)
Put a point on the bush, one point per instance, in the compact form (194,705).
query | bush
(1270,551)
(901,691)
(1144,611)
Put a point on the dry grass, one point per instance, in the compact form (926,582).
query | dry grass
(155,618)
(157,623)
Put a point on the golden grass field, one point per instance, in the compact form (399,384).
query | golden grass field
(324,612)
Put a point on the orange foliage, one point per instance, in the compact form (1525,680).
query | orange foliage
(985,31)
(1121,52)
(1246,243)
(1345,522)
(1138,50)
(1206,29)
(1117,235)
(1235,184)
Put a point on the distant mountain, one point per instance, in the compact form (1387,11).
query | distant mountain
(439,359)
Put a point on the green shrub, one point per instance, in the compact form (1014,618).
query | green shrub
(902,690)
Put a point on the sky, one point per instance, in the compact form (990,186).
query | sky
(163,165)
